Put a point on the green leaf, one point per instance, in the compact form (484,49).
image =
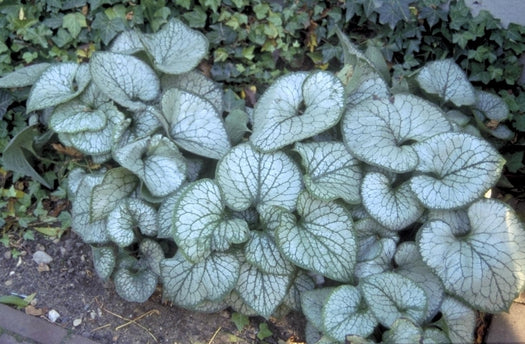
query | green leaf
(382,132)
(249,178)
(74,22)
(107,28)
(15,156)
(189,284)
(391,296)
(393,207)
(264,331)
(346,312)
(58,84)
(195,124)
(331,172)
(176,48)
(393,11)
(156,161)
(457,169)
(322,240)
(459,321)
(310,104)
(25,76)
(126,79)
(236,124)
(135,286)
(241,321)
(104,260)
(200,222)
(483,263)
(262,291)
(130,216)
(448,81)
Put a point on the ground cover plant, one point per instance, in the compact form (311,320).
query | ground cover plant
(358,203)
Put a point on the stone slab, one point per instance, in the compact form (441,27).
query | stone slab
(508,327)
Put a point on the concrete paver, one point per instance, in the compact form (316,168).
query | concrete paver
(508,327)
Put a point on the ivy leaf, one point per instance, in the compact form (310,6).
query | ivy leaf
(176,48)
(25,76)
(129,215)
(135,285)
(322,241)
(236,124)
(391,12)
(156,161)
(104,260)
(58,84)
(91,232)
(457,169)
(195,124)
(391,296)
(345,312)
(124,78)
(200,222)
(382,132)
(74,22)
(262,252)
(188,284)
(395,207)
(118,183)
(107,28)
(262,291)
(249,178)
(295,107)
(483,263)
(16,154)
(448,81)
(331,172)
(459,320)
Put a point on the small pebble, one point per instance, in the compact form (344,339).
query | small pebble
(40,257)
(77,322)
(53,315)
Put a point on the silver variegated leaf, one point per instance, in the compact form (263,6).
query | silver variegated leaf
(135,286)
(456,169)
(459,320)
(447,80)
(104,260)
(152,254)
(58,84)
(483,265)
(188,284)
(124,78)
(331,172)
(176,48)
(391,296)
(127,42)
(382,132)
(301,283)
(262,252)
(490,106)
(322,241)
(74,117)
(312,303)
(200,223)
(165,215)
(129,215)
(295,107)
(25,76)
(250,178)
(403,331)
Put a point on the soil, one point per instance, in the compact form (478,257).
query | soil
(89,306)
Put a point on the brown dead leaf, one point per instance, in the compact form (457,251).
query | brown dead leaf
(32,310)
(70,151)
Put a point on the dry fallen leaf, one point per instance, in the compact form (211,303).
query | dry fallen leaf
(32,310)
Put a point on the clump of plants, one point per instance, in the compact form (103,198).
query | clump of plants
(359,204)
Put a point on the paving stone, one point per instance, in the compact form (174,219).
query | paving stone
(74,339)
(8,339)
(508,327)
(30,327)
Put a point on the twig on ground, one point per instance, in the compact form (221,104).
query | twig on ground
(215,335)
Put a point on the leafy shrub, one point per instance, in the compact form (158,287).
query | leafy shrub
(332,177)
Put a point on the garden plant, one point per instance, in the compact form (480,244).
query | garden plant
(358,203)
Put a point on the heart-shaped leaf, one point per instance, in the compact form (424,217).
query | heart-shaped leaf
(395,207)
(458,168)
(104,260)
(447,80)
(118,183)
(262,252)
(156,161)
(261,291)
(175,48)
(346,312)
(483,264)
(301,284)
(74,116)
(312,302)
(382,132)
(195,124)
(322,241)
(460,321)
(189,284)
(391,296)
(250,178)
(403,331)
(490,106)
(124,78)
(58,84)
(135,285)
(127,42)
(331,172)
(295,107)
(129,215)
(25,76)
(200,222)
(165,215)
